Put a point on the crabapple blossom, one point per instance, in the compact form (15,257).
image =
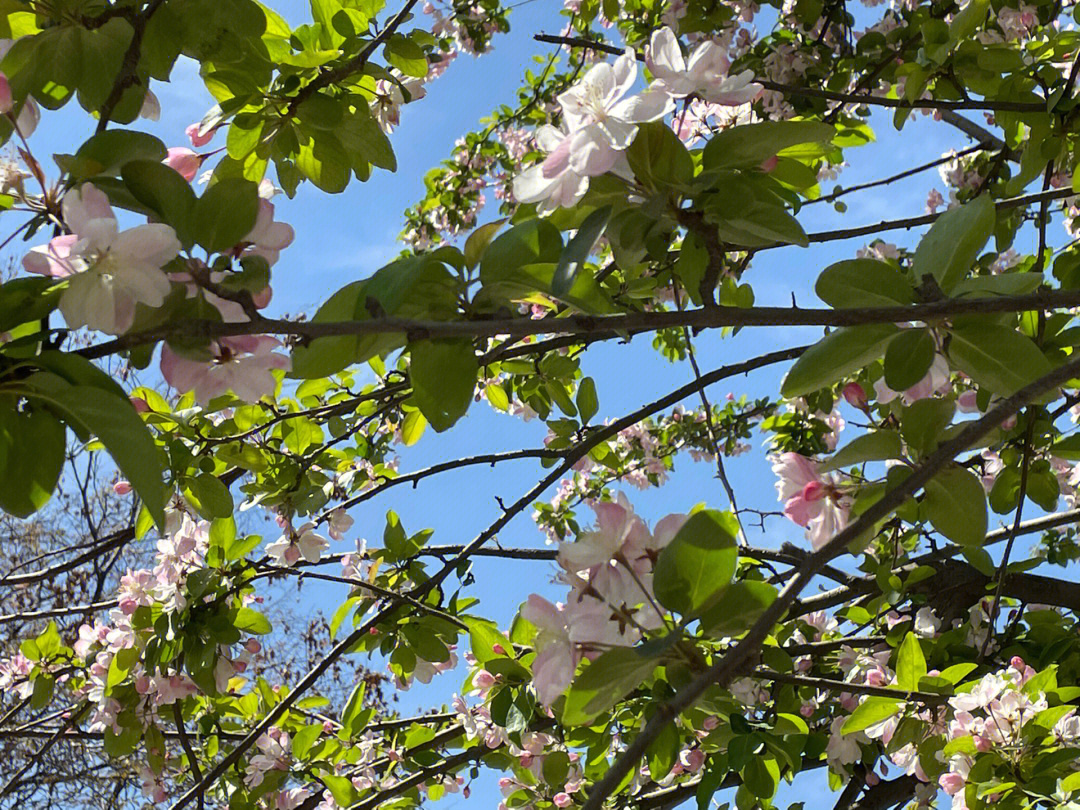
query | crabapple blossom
(705,74)
(556,658)
(108,271)
(184,161)
(242,364)
(293,545)
(197,136)
(811,499)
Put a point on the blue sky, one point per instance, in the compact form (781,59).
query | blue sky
(348,236)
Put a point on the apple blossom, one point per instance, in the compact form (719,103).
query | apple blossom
(241,364)
(108,271)
(556,658)
(197,136)
(705,74)
(184,161)
(811,499)
(293,545)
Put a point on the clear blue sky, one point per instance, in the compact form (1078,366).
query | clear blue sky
(348,236)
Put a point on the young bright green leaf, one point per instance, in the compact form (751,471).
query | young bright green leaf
(251,621)
(697,565)
(956,506)
(835,356)
(870,712)
(910,663)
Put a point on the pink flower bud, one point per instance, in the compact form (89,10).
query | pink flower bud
(139,404)
(483,679)
(6,102)
(562,800)
(184,161)
(855,396)
(196,139)
(253,646)
(122,488)
(498,648)
(466,792)
(769,165)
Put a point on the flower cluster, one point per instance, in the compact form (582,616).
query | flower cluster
(609,571)
(600,118)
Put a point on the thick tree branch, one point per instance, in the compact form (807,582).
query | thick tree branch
(709,317)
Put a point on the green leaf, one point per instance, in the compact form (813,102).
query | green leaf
(406,56)
(697,565)
(304,738)
(908,358)
(750,145)
(322,159)
(587,403)
(352,712)
(875,446)
(479,240)
(857,283)
(341,788)
(956,506)
(251,621)
(870,712)
(213,497)
(577,250)
(738,607)
(106,152)
(658,157)
(484,636)
(954,241)
(922,422)
(604,682)
(443,377)
(165,192)
(32,445)
(531,242)
(835,356)
(225,214)
(998,358)
(910,664)
(663,752)
(759,778)
(92,410)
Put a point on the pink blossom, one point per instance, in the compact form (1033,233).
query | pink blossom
(810,499)
(6,102)
(122,487)
(556,659)
(241,364)
(197,137)
(186,162)
(291,546)
(705,74)
(267,238)
(562,800)
(108,271)
(339,523)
